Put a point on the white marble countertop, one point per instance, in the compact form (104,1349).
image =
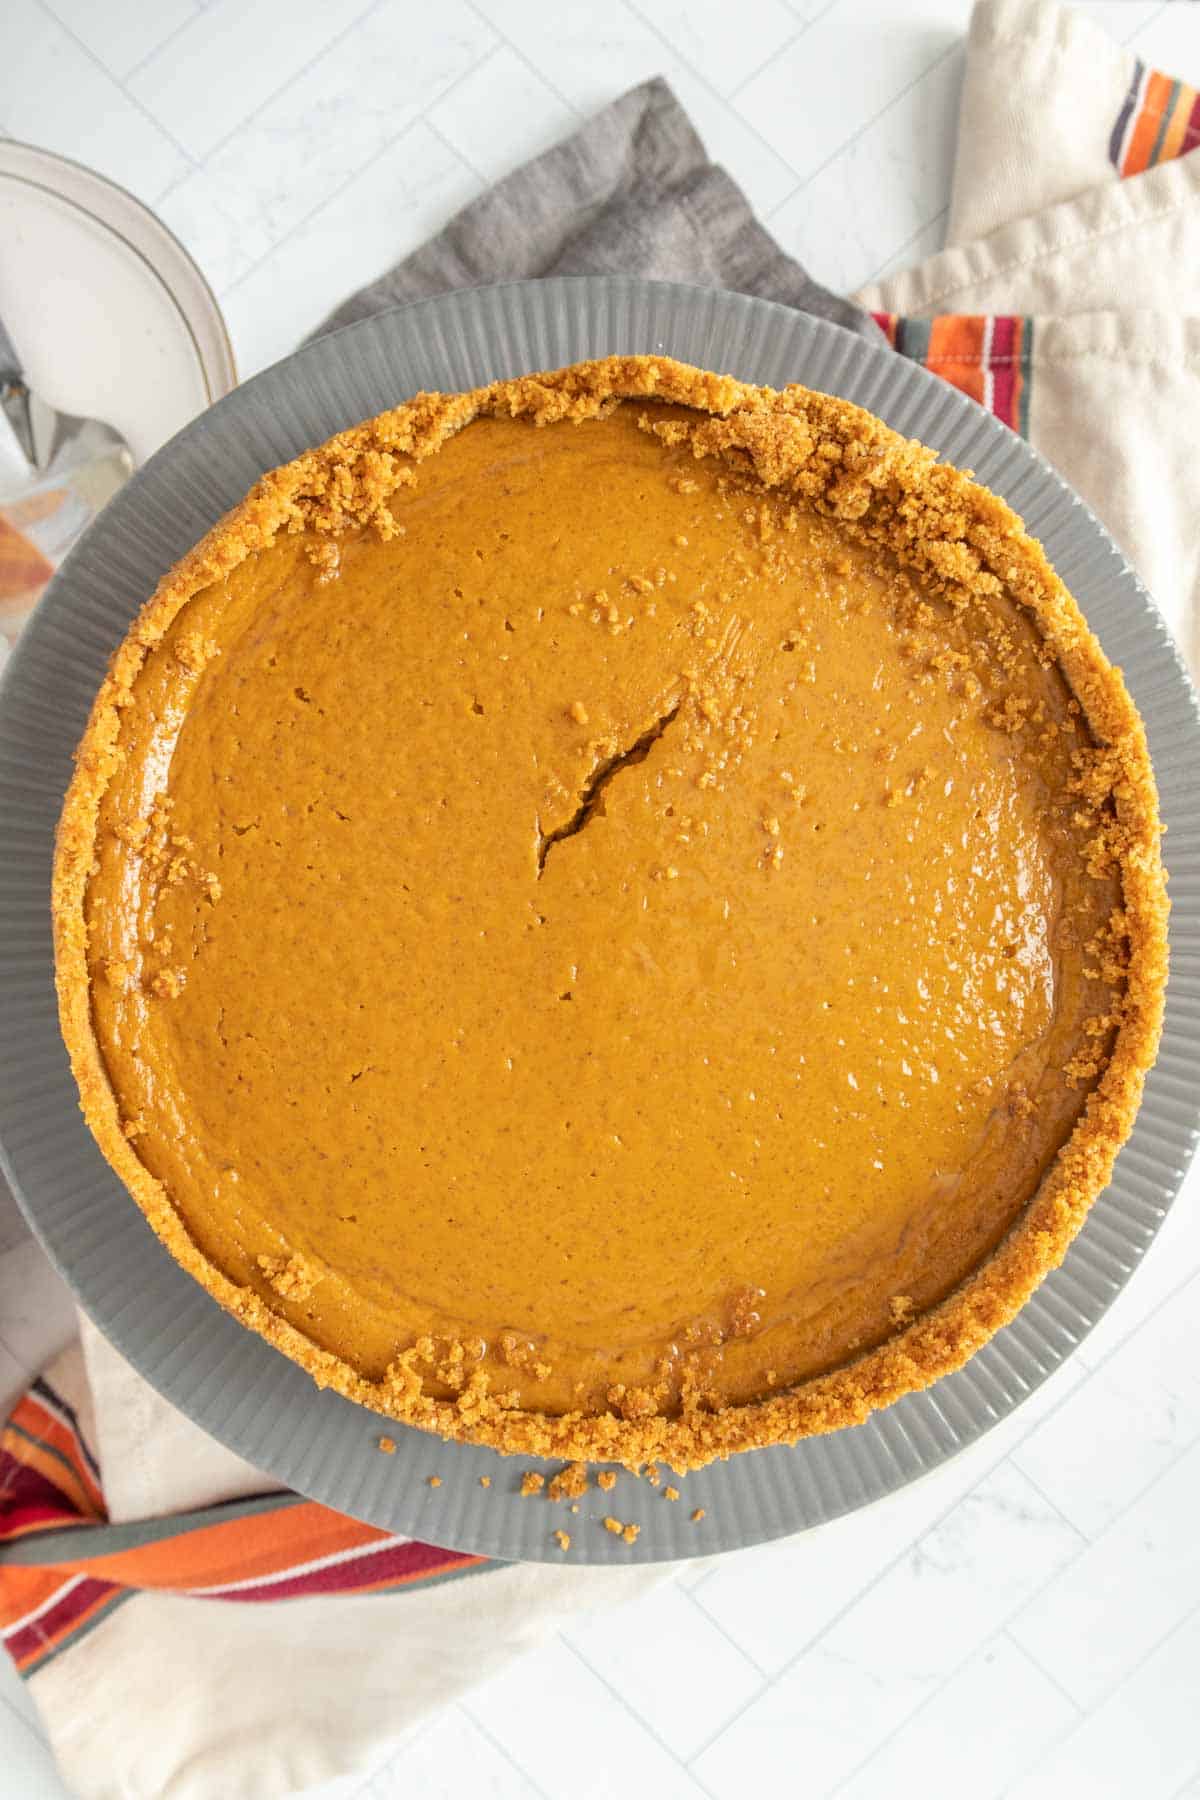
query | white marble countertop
(1027,1621)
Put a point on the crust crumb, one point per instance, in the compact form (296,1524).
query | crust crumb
(292,1277)
(570,1483)
(531,1483)
(388,1446)
(563,1540)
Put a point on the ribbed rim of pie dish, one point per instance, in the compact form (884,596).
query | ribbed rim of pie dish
(936,1342)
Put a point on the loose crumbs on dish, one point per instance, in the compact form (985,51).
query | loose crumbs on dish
(570,1483)
(619,1529)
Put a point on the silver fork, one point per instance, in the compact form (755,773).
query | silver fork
(85,458)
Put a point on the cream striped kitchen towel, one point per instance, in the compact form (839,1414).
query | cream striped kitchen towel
(1067,298)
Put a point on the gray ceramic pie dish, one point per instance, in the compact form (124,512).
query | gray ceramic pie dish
(231,1382)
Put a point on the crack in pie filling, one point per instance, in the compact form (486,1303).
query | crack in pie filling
(617,915)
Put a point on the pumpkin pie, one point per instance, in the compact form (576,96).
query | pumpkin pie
(617,915)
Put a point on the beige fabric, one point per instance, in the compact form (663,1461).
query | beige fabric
(262,1700)
(1110,276)
(152,1459)
(253,1702)
(1042,87)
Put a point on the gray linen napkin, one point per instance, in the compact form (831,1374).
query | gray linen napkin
(631,193)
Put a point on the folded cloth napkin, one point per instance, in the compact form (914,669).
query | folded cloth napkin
(1067,298)
(632,193)
(137,1556)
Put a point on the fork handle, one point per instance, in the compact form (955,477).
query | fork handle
(15,397)
(11,374)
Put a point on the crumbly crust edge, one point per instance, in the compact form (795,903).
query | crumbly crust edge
(850,466)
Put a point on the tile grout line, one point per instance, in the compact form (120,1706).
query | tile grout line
(201,167)
(119,85)
(1127,1675)
(789,43)
(689,1596)
(737,112)
(198,13)
(679,1761)
(948,1675)
(1092,1371)
(1059,1737)
(539,74)
(1134,1499)
(1053,1504)
(955,49)
(733,1718)
(908,1549)
(1000,1630)
(901,248)
(495,49)
(383,150)
(456,81)
(1085,1544)
(496,1744)
(1006,1633)
(936,1693)
(1136,1331)
(695,1775)
(440,135)
(291,80)
(1136,31)
(408,1738)
(1086,1714)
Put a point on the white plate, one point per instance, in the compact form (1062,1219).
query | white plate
(111,317)
(231,1382)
